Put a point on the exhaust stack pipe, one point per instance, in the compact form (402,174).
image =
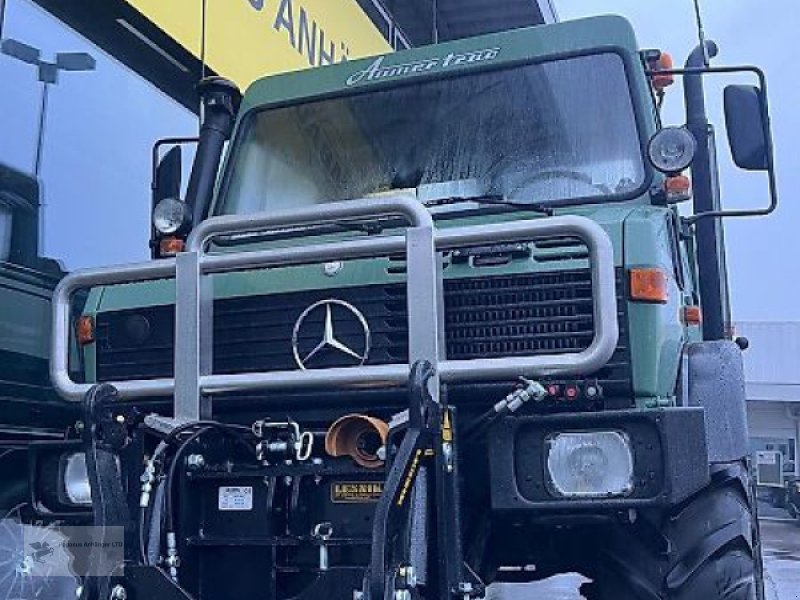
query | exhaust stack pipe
(219,100)
(359,437)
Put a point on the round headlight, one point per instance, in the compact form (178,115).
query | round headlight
(170,216)
(672,149)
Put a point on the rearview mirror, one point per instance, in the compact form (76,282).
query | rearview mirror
(167,176)
(746,122)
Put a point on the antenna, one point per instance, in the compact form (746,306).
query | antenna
(203,39)
(435,21)
(701,33)
(203,11)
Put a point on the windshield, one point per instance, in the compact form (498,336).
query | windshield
(544,133)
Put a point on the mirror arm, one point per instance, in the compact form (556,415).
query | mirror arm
(773,186)
(756,212)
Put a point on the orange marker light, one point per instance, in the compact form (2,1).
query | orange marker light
(662,81)
(648,285)
(170,246)
(678,188)
(84,330)
(692,315)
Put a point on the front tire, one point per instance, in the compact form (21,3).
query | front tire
(704,549)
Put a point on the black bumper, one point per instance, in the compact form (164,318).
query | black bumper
(670,459)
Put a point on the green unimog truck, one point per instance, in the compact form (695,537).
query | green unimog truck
(434,322)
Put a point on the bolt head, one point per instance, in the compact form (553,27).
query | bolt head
(195,461)
(333,268)
(409,575)
(119,593)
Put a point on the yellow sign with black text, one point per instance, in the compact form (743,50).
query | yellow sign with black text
(248,39)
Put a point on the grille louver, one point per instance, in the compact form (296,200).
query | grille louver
(484,317)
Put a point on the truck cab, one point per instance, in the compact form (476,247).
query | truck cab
(578,146)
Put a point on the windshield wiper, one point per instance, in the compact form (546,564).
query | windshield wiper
(368,227)
(492,200)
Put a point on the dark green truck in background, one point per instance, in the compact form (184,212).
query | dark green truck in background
(29,408)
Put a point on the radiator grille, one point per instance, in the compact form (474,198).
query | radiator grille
(484,317)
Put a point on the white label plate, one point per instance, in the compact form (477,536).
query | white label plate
(235,498)
(766,457)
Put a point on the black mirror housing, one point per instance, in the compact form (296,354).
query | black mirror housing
(166,181)
(745,120)
(167,176)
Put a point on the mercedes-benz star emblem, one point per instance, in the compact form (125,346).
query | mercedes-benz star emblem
(328,342)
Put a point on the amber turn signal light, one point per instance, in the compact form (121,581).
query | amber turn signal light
(678,188)
(648,285)
(84,330)
(170,246)
(692,315)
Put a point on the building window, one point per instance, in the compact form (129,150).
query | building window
(386,23)
(6,216)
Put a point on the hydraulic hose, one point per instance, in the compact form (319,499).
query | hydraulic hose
(529,390)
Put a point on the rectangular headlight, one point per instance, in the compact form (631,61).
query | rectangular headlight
(595,464)
(76,480)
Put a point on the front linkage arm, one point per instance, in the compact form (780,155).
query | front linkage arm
(428,445)
(103,438)
(106,437)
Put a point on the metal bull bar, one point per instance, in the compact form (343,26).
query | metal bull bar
(194,379)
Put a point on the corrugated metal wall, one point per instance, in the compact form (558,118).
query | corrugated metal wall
(774,353)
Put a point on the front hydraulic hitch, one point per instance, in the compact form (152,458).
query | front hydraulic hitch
(416,537)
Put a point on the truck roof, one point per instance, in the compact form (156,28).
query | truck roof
(16,186)
(568,38)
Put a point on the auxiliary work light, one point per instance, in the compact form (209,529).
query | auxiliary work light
(672,150)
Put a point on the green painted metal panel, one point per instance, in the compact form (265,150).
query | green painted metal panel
(657,333)
(520,45)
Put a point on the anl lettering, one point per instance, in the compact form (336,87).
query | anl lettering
(304,33)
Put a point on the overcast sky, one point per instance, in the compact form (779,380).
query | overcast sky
(102,124)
